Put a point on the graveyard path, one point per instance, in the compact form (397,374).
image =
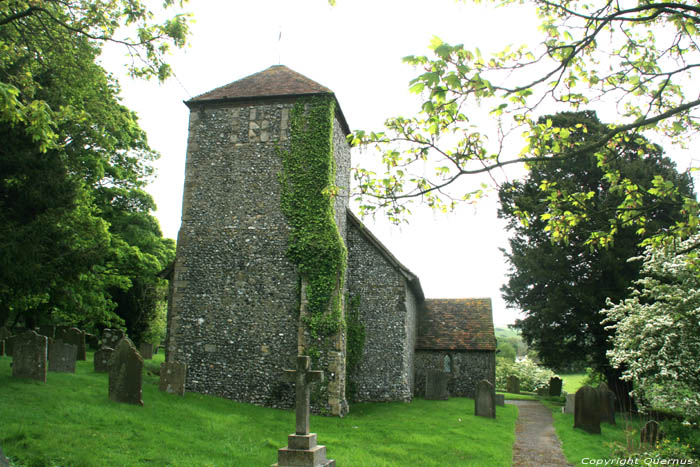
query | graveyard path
(536,443)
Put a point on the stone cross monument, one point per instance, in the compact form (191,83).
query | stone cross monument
(301,449)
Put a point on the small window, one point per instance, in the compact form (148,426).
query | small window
(447,364)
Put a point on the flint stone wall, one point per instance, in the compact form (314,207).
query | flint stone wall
(468,367)
(387,309)
(234,305)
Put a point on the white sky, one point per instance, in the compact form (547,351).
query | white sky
(355,49)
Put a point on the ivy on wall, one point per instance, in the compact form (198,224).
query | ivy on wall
(308,189)
(355,343)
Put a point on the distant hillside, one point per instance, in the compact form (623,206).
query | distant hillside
(505,332)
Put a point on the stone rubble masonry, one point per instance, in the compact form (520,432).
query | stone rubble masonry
(467,369)
(387,308)
(234,308)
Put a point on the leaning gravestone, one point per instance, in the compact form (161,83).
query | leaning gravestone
(500,400)
(102,358)
(62,356)
(301,449)
(607,404)
(29,356)
(570,403)
(513,385)
(76,337)
(111,337)
(555,384)
(146,350)
(485,401)
(4,334)
(650,433)
(172,377)
(126,374)
(587,410)
(436,385)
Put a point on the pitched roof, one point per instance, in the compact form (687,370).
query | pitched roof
(278,81)
(413,281)
(456,324)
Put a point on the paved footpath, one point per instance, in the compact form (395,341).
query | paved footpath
(536,443)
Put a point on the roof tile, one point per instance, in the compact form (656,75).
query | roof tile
(456,324)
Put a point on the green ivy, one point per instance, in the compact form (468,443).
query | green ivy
(355,343)
(308,189)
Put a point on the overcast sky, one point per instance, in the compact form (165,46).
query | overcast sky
(355,49)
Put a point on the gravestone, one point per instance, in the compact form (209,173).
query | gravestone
(111,337)
(4,334)
(607,404)
(29,356)
(101,359)
(513,385)
(555,384)
(587,410)
(543,391)
(62,356)
(650,433)
(436,385)
(92,341)
(73,336)
(500,400)
(126,373)
(172,377)
(570,403)
(485,401)
(146,350)
(301,449)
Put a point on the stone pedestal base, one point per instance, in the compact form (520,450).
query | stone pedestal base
(302,451)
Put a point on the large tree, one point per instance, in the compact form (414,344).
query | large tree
(74,161)
(561,286)
(640,57)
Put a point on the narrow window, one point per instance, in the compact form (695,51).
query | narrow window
(447,364)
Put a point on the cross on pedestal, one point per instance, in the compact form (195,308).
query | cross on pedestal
(303,377)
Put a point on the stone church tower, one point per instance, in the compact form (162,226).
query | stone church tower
(234,314)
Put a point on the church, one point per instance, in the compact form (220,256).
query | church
(257,237)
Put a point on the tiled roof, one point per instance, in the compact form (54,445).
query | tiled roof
(276,82)
(456,324)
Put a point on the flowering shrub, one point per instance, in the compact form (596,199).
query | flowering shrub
(531,375)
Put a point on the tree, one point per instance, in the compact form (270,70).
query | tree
(639,56)
(560,287)
(656,338)
(74,161)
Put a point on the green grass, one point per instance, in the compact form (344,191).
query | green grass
(572,382)
(69,421)
(519,397)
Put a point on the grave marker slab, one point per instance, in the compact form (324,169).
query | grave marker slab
(126,374)
(101,359)
(607,404)
(650,433)
(436,385)
(555,384)
(570,403)
(76,337)
(587,410)
(62,356)
(172,377)
(500,400)
(301,449)
(513,385)
(146,350)
(111,337)
(29,354)
(485,401)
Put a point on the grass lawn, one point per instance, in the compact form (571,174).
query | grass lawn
(69,421)
(572,382)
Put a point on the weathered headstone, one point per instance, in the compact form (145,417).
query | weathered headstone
(62,356)
(436,385)
(126,374)
(111,337)
(102,358)
(301,449)
(92,341)
(587,410)
(146,350)
(650,433)
(570,403)
(555,384)
(76,337)
(485,401)
(513,385)
(542,391)
(500,400)
(4,334)
(172,377)
(29,354)
(607,404)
